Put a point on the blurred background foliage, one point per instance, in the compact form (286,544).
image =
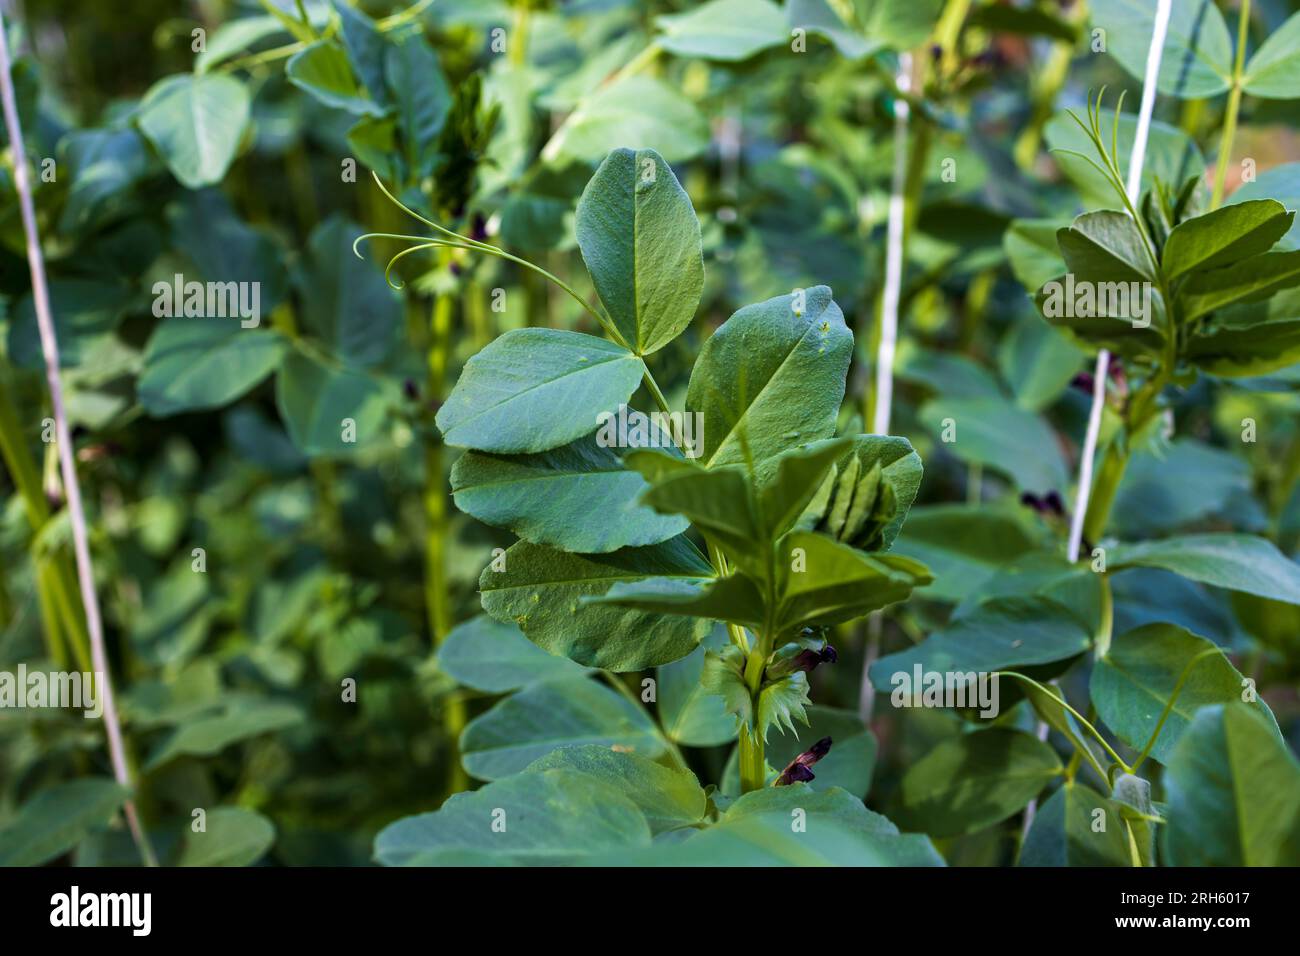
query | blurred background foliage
(325,559)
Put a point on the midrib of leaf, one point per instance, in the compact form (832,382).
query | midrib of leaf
(1161,702)
(539,474)
(636,246)
(200,128)
(1236,782)
(622,576)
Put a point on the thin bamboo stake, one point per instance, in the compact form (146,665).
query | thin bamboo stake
(80,539)
(1134,188)
(893,255)
(889,300)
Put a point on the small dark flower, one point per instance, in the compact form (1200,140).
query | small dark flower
(795,773)
(1048,504)
(455,268)
(478,228)
(1084,382)
(807,660)
(799,769)
(410,390)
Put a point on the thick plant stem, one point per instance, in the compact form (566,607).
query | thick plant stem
(753,761)
(753,773)
(1104,489)
(67,458)
(436,591)
(1234,107)
(1047,84)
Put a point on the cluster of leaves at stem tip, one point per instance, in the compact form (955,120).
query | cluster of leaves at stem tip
(1202,267)
(632,549)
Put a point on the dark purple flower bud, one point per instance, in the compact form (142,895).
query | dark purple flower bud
(807,660)
(410,390)
(478,228)
(455,268)
(936,51)
(799,769)
(1031,500)
(795,773)
(1084,382)
(1053,503)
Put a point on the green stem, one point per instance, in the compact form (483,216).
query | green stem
(1104,489)
(437,592)
(301,31)
(948,31)
(519,42)
(1234,106)
(674,751)
(55,582)
(1106,626)
(1047,86)
(1074,713)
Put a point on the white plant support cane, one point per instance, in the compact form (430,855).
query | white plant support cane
(67,464)
(889,300)
(1134,189)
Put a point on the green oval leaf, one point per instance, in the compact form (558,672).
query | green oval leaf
(1238,562)
(771,376)
(494,657)
(641,242)
(542,717)
(973,780)
(194,364)
(1225,236)
(535,389)
(233,837)
(323,71)
(670,797)
(1065,831)
(57,819)
(548,817)
(578,497)
(727,30)
(1273,73)
(1196,62)
(1133,683)
(324,406)
(541,590)
(1005,633)
(197,123)
(1232,793)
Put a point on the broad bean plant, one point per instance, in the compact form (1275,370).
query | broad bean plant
(498,431)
